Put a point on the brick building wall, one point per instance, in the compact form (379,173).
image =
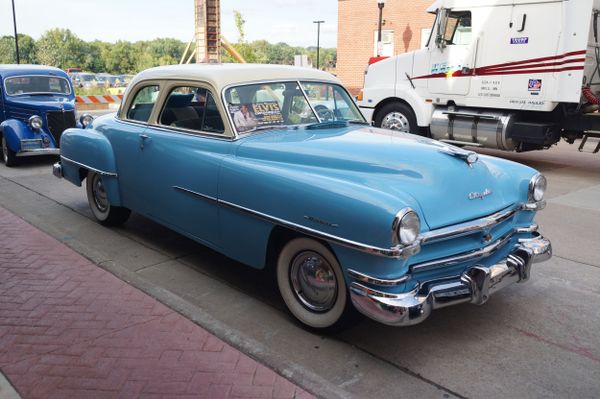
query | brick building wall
(357,27)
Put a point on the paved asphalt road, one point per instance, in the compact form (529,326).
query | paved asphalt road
(539,339)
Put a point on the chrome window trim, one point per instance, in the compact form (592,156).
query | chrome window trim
(377,281)
(101,172)
(39,76)
(197,85)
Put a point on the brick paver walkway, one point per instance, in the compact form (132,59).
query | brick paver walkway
(69,329)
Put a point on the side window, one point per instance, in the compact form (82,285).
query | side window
(458,28)
(142,104)
(192,108)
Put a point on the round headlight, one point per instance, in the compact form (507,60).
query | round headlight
(86,120)
(537,188)
(35,122)
(409,228)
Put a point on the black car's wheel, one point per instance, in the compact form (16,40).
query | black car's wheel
(9,157)
(103,211)
(397,116)
(312,285)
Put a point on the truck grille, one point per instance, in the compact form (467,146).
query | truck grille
(58,122)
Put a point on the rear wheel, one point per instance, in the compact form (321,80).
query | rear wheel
(397,116)
(103,211)
(9,157)
(312,285)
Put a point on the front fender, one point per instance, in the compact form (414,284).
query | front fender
(84,150)
(14,131)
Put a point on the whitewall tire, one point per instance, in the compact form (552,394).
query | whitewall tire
(103,211)
(311,283)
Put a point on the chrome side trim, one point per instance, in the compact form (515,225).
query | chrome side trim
(196,194)
(463,229)
(394,252)
(101,172)
(480,253)
(376,281)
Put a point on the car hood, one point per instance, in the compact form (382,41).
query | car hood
(447,189)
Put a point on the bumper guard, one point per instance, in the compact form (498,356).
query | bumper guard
(474,286)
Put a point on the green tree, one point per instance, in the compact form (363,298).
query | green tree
(60,48)
(26,50)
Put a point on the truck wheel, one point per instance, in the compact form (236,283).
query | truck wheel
(104,212)
(312,285)
(9,157)
(397,116)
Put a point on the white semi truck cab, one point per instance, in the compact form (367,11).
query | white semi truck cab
(514,75)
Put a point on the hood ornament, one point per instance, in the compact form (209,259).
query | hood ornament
(470,157)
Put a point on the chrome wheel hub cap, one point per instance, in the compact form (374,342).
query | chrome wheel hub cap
(100,198)
(396,121)
(313,281)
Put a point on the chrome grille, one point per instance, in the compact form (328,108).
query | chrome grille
(58,122)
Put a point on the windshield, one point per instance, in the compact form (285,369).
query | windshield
(284,104)
(20,85)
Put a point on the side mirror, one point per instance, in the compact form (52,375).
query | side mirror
(441,28)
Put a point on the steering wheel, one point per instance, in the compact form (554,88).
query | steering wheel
(324,113)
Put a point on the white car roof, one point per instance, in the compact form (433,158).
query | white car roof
(222,75)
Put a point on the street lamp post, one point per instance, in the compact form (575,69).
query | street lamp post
(16,36)
(380,4)
(318,39)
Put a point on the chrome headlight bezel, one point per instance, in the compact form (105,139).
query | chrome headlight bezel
(86,120)
(35,123)
(537,188)
(406,227)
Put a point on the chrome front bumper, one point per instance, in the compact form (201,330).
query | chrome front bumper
(38,151)
(474,286)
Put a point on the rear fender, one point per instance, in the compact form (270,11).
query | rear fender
(88,150)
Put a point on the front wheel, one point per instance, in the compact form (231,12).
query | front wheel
(9,157)
(397,116)
(103,211)
(312,285)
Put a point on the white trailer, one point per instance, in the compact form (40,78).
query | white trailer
(515,75)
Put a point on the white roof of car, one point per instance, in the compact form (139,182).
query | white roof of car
(221,75)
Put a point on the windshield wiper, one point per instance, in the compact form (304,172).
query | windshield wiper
(357,122)
(327,125)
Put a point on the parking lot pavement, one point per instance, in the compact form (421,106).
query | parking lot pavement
(538,339)
(71,329)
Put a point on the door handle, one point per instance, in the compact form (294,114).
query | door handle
(144,138)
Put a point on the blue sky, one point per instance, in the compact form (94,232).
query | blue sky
(287,21)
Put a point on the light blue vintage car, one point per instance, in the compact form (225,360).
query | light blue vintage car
(241,159)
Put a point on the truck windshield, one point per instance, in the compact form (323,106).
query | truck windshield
(283,104)
(22,85)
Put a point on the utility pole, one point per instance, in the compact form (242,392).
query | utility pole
(318,39)
(16,36)
(380,4)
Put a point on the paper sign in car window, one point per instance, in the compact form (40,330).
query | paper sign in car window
(268,113)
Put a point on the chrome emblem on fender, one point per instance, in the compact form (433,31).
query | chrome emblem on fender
(482,195)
